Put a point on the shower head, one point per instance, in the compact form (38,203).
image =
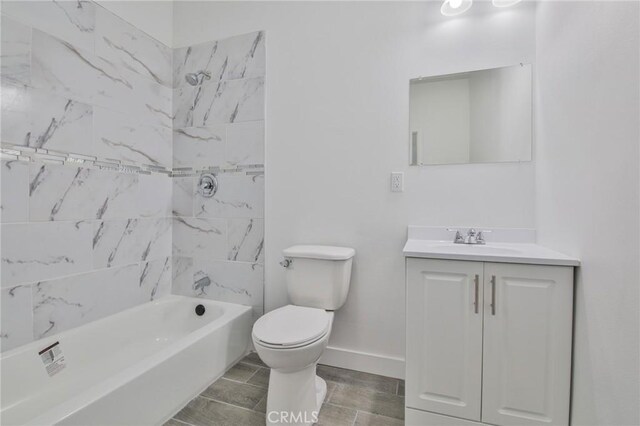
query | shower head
(195,79)
(192,79)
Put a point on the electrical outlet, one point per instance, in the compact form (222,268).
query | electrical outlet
(397,181)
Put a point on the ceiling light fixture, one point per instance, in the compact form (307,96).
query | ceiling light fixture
(505,3)
(456,7)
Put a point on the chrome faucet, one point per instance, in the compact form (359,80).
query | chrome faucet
(472,237)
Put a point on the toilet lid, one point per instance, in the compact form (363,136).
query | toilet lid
(292,326)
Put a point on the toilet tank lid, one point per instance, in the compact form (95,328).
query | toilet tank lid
(319,252)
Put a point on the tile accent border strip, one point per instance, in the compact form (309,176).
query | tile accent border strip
(27,154)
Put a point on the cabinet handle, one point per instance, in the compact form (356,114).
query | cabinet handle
(493,294)
(477,290)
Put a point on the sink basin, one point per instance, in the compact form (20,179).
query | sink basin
(475,248)
(503,245)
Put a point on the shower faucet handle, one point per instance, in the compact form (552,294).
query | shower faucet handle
(207,185)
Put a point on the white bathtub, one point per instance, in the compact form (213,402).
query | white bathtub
(137,367)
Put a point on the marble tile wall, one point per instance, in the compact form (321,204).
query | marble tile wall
(103,142)
(219,125)
(86,108)
(78,79)
(78,244)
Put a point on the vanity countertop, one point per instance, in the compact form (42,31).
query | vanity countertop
(508,246)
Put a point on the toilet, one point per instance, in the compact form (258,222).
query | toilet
(291,339)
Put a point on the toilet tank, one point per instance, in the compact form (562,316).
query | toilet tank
(318,276)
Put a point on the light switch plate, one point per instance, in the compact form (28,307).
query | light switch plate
(397,182)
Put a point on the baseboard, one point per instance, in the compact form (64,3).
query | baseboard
(362,361)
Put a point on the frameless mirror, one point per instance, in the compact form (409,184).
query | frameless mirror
(472,117)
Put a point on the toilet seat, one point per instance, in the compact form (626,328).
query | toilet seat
(292,327)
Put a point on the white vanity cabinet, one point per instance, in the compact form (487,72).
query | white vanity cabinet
(488,343)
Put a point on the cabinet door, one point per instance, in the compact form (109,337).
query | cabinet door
(527,344)
(444,337)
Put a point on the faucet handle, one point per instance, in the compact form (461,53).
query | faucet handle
(458,238)
(480,236)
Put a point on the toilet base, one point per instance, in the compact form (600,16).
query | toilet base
(321,391)
(295,398)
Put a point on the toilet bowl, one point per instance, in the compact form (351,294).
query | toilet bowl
(290,341)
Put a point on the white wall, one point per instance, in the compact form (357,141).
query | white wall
(337,113)
(155,17)
(588,189)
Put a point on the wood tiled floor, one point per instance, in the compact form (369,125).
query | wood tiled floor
(239,398)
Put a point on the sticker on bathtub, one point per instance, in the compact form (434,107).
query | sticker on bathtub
(52,358)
